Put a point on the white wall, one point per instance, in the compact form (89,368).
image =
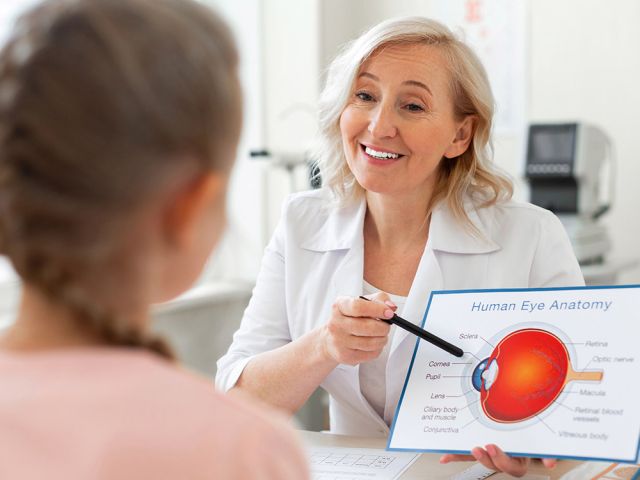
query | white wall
(291,85)
(239,252)
(279,46)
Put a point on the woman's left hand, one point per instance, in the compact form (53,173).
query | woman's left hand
(491,456)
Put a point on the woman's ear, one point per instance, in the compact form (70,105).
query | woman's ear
(192,202)
(464,136)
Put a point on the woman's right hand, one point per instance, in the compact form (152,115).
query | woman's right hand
(354,333)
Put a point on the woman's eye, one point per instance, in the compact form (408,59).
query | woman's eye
(414,107)
(364,96)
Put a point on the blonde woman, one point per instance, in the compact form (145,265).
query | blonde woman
(119,121)
(411,203)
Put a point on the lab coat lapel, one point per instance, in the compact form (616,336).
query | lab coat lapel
(348,281)
(428,277)
(346,231)
(341,240)
(342,237)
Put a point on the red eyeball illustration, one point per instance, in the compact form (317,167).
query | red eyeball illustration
(525,373)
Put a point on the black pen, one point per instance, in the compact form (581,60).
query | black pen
(423,334)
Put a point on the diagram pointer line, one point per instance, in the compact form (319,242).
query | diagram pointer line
(487,342)
(543,422)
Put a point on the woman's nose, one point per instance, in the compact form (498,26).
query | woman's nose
(382,122)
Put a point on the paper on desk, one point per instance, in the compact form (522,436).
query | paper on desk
(545,373)
(336,463)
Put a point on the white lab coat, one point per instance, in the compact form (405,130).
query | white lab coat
(316,254)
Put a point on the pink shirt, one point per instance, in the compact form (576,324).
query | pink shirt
(106,413)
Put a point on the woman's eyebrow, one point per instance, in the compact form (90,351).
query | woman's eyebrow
(414,83)
(369,75)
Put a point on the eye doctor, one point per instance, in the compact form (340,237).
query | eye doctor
(411,203)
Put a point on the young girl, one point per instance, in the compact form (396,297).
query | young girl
(119,121)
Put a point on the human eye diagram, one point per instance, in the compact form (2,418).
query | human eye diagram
(515,379)
(544,373)
(523,376)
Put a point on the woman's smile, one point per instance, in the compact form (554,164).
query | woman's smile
(380,156)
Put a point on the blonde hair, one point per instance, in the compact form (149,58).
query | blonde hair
(102,104)
(473,172)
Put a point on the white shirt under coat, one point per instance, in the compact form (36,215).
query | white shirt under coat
(373,374)
(317,254)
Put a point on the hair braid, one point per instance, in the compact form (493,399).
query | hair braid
(111,327)
(63,288)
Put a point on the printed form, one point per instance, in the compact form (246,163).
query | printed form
(545,373)
(357,463)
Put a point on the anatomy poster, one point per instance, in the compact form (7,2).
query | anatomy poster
(546,372)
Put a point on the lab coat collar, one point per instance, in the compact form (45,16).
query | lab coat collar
(342,229)
(450,235)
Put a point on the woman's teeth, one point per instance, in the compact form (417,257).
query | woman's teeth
(376,154)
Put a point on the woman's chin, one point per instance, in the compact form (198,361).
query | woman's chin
(379,187)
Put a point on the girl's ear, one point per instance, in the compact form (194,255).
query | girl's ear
(464,136)
(188,205)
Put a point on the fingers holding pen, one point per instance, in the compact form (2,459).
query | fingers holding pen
(354,333)
(372,310)
(378,306)
(361,317)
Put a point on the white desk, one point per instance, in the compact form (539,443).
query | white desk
(427,466)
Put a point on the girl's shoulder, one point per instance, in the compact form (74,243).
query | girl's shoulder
(138,407)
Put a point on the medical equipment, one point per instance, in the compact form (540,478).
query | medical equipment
(566,167)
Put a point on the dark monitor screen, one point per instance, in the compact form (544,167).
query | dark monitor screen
(552,144)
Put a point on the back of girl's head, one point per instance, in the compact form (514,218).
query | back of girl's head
(102,104)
